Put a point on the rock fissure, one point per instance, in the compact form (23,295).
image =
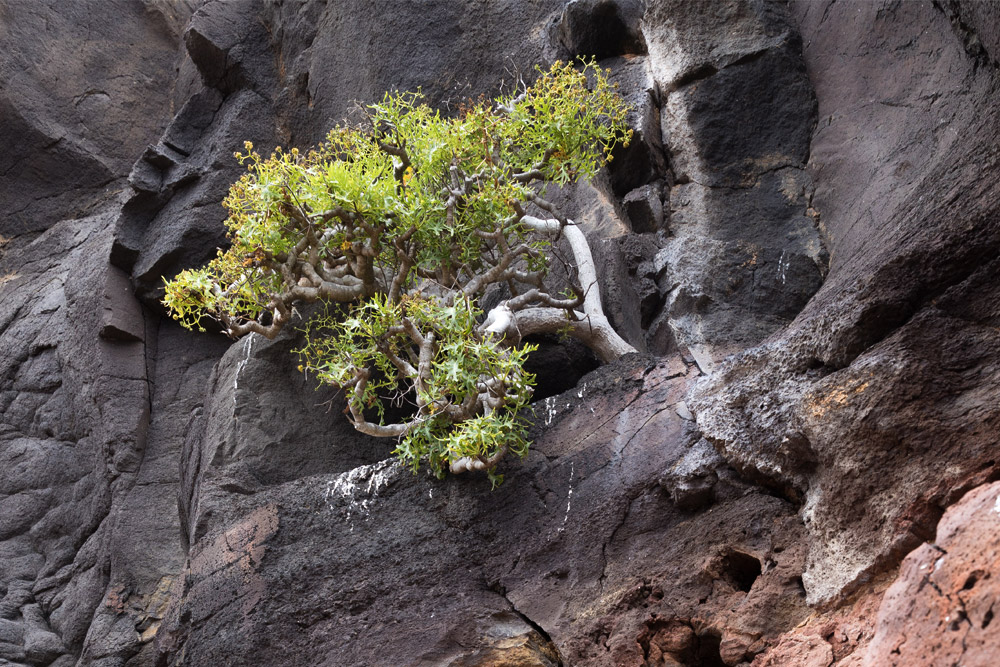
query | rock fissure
(619,524)
(536,627)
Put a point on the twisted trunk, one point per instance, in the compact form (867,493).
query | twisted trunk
(590,326)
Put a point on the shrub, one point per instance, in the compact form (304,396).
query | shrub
(408,223)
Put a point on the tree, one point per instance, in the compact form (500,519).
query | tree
(408,225)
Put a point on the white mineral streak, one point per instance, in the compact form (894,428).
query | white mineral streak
(355,491)
(247,349)
(550,409)
(569,497)
(996,506)
(783,265)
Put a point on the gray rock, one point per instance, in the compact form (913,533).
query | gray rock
(336,53)
(691,480)
(216,513)
(853,399)
(40,372)
(441,547)
(40,644)
(183,226)
(737,114)
(75,116)
(13,653)
(601,29)
(11,632)
(644,207)
(749,118)
(716,313)
(266,424)
(644,159)
(228,42)
(72,609)
(629,291)
(71,403)
(122,317)
(687,42)
(20,511)
(18,594)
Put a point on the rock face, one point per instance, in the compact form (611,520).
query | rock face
(895,346)
(944,600)
(802,240)
(737,115)
(74,113)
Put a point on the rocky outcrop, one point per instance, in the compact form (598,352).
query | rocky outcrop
(802,240)
(737,115)
(861,407)
(74,113)
(945,598)
(81,417)
(433,573)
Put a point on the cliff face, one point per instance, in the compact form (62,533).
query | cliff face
(803,243)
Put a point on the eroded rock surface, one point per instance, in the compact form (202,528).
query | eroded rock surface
(947,595)
(84,428)
(812,188)
(737,114)
(433,572)
(75,113)
(867,407)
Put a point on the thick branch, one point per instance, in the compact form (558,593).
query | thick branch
(594,332)
(512,320)
(358,418)
(472,463)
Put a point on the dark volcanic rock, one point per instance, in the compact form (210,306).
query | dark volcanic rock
(815,181)
(187,230)
(74,113)
(643,161)
(628,287)
(870,403)
(601,29)
(334,55)
(438,572)
(265,424)
(76,433)
(753,116)
(737,113)
(173,220)
(79,442)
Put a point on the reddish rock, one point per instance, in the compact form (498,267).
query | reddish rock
(940,609)
(799,651)
(876,408)
(839,636)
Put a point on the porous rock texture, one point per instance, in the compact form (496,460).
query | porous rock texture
(802,242)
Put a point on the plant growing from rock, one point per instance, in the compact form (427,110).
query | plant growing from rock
(406,225)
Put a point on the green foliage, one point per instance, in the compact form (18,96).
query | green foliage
(464,365)
(410,221)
